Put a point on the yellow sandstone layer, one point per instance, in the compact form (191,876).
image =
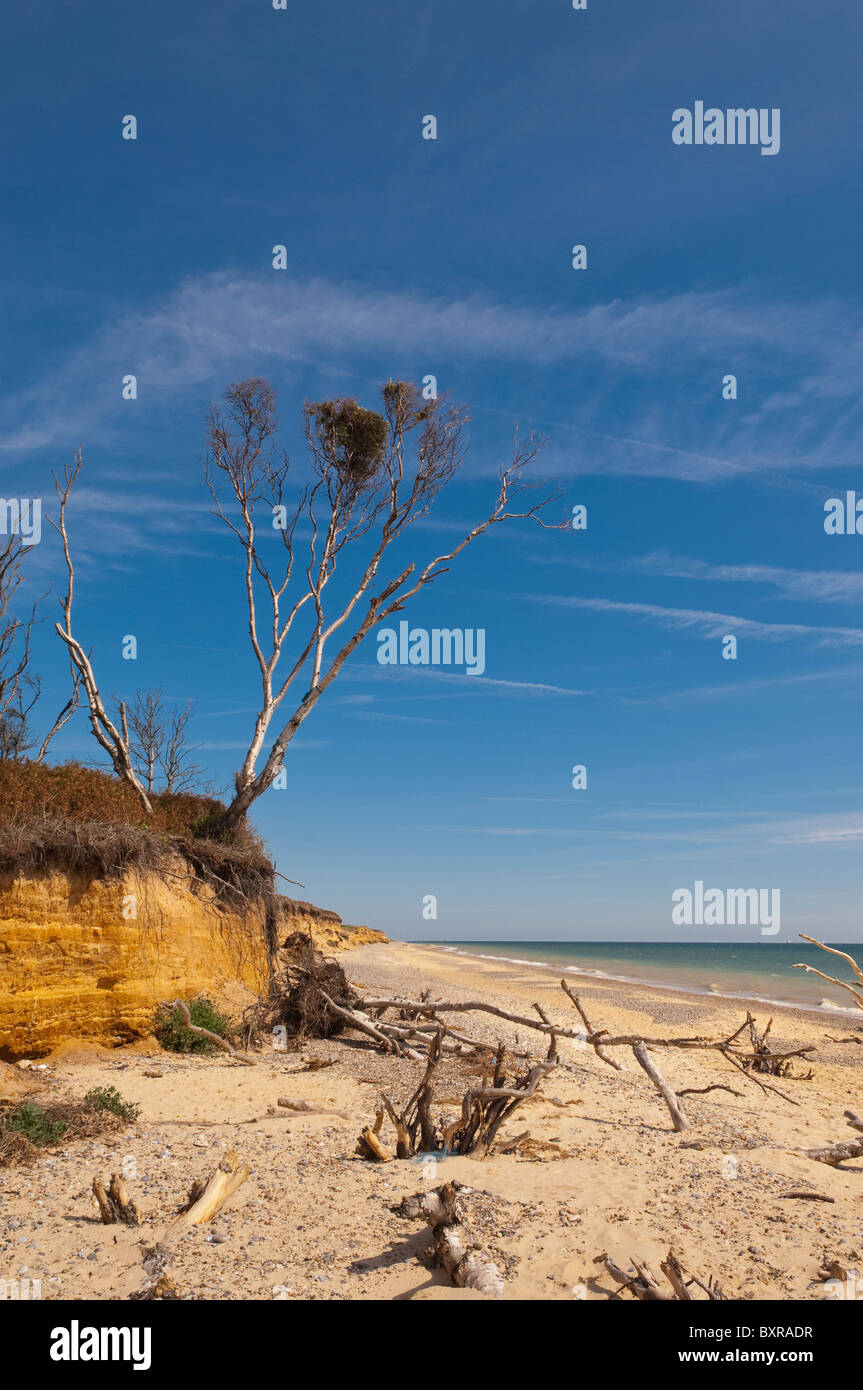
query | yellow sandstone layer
(90,957)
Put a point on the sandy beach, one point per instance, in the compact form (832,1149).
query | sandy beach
(316,1221)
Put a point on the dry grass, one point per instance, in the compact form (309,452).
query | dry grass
(32,792)
(77,818)
(293,908)
(72,1119)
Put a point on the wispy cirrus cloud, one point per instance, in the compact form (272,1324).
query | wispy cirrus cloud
(836,831)
(755,685)
(433,676)
(708,624)
(825,586)
(382,717)
(800,359)
(829,831)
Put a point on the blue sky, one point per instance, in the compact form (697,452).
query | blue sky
(302,127)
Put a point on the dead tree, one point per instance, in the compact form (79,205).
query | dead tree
(168,1005)
(157,741)
(179,774)
(145,719)
(485,1109)
(364,493)
(107,735)
(15,638)
(415,1119)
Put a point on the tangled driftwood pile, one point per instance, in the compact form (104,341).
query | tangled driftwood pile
(644,1284)
(418,1019)
(483,1110)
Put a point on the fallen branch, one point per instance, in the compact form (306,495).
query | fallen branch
(305,1108)
(835,1153)
(206,1200)
(806,1196)
(702,1090)
(598,1036)
(369,1144)
(644,1060)
(389,1041)
(205,1033)
(597,1047)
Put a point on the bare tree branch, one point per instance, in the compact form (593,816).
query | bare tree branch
(856,994)
(16,682)
(20,689)
(107,735)
(65,714)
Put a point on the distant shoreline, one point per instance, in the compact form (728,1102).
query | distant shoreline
(846,1014)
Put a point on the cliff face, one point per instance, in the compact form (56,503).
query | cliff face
(87,956)
(326,928)
(90,955)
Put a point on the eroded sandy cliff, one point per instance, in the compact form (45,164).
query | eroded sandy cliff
(90,956)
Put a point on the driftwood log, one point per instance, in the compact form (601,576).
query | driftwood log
(805,1196)
(115,1204)
(835,1153)
(838,1153)
(369,1144)
(205,1200)
(457,1247)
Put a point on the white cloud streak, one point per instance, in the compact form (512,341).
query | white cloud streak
(823,586)
(215,326)
(709,624)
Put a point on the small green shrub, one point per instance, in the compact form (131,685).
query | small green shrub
(30,1120)
(109,1098)
(174,1036)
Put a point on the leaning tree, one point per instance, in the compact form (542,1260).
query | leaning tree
(371,475)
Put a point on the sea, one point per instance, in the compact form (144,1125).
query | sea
(761,971)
